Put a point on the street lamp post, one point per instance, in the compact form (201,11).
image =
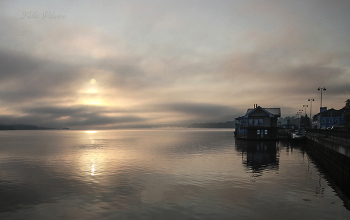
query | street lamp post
(320,88)
(297,118)
(311,100)
(305,109)
(299,113)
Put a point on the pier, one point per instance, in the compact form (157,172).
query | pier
(332,151)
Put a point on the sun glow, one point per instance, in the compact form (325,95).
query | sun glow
(90,132)
(90,94)
(91,90)
(93,102)
(92,81)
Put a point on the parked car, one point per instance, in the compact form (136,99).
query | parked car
(336,128)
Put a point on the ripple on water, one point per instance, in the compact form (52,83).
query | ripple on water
(160,174)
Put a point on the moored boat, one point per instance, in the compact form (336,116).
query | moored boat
(299,135)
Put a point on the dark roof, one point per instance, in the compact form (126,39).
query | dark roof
(273,111)
(239,117)
(330,110)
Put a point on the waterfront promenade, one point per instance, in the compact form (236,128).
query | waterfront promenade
(332,151)
(336,143)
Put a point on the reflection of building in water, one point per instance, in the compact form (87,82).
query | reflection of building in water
(258,155)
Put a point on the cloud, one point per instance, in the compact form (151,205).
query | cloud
(80,116)
(76,117)
(195,65)
(27,78)
(14,64)
(199,111)
(280,60)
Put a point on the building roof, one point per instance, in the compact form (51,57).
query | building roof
(329,110)
(239,117)
(273,111)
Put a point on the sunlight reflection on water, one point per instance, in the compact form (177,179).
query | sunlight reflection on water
(166,174)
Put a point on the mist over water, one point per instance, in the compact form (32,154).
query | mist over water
(160,174)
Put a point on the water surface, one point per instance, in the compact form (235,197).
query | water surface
(160,174)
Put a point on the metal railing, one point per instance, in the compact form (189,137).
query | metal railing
(341,134)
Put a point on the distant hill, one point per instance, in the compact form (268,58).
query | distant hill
(22,127)
(227,124)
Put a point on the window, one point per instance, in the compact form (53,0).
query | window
(265,131)
(336,114)
(326,114)
(336,120)
(257,131)
(261,121)
(331,120)
(323,120)
(256,122)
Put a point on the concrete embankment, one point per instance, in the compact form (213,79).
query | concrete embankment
(334,155)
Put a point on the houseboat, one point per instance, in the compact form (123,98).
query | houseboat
(258,123)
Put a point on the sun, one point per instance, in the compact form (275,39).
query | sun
(90,94)
(92,81)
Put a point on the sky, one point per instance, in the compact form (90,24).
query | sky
(114,64)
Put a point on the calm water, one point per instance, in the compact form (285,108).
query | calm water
(160,174)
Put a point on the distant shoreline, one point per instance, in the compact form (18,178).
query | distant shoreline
(24,127)
(227,124)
